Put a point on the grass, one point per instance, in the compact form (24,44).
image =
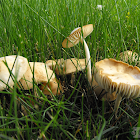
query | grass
(35,30)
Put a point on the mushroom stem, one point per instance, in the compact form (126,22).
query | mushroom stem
(88,61)
(117,103)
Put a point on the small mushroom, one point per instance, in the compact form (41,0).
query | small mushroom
(42,74)
(74,38)
(128,57)
(67,66)
(17,66)
(113,75)
(76,35)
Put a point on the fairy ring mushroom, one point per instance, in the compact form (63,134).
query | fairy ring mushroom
(129,57)
(67,66)
(113,75)
(11,67)
(42,75)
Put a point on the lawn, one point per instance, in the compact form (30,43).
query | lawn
(36,29)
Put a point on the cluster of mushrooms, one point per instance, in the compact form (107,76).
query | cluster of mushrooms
(118,78)
(17,69)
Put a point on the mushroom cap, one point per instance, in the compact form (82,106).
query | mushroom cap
(128,56)
(113,75)
(76,34)
(42,74)
(17,65)
(54,86)
(102,94)
(67,66)
(51,64)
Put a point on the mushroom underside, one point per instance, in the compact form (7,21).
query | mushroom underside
(102,94)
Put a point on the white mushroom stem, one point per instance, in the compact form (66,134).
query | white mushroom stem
(88,61)
(117,103)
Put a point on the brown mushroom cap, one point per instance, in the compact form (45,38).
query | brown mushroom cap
(113,75)
(75,35)
(17,65)
(67,66)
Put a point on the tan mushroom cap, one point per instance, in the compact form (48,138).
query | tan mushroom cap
(51,64)
(42,75)
(67,66)
(17,65)
(128,56)
(54,86)
(75,35)
(102,94)
(113,75)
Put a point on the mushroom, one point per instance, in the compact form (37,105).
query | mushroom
(128,57)
(42,74)
(113,75)
(74,38)
(53,86)
(11,67)
(67,66)
(51,64)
